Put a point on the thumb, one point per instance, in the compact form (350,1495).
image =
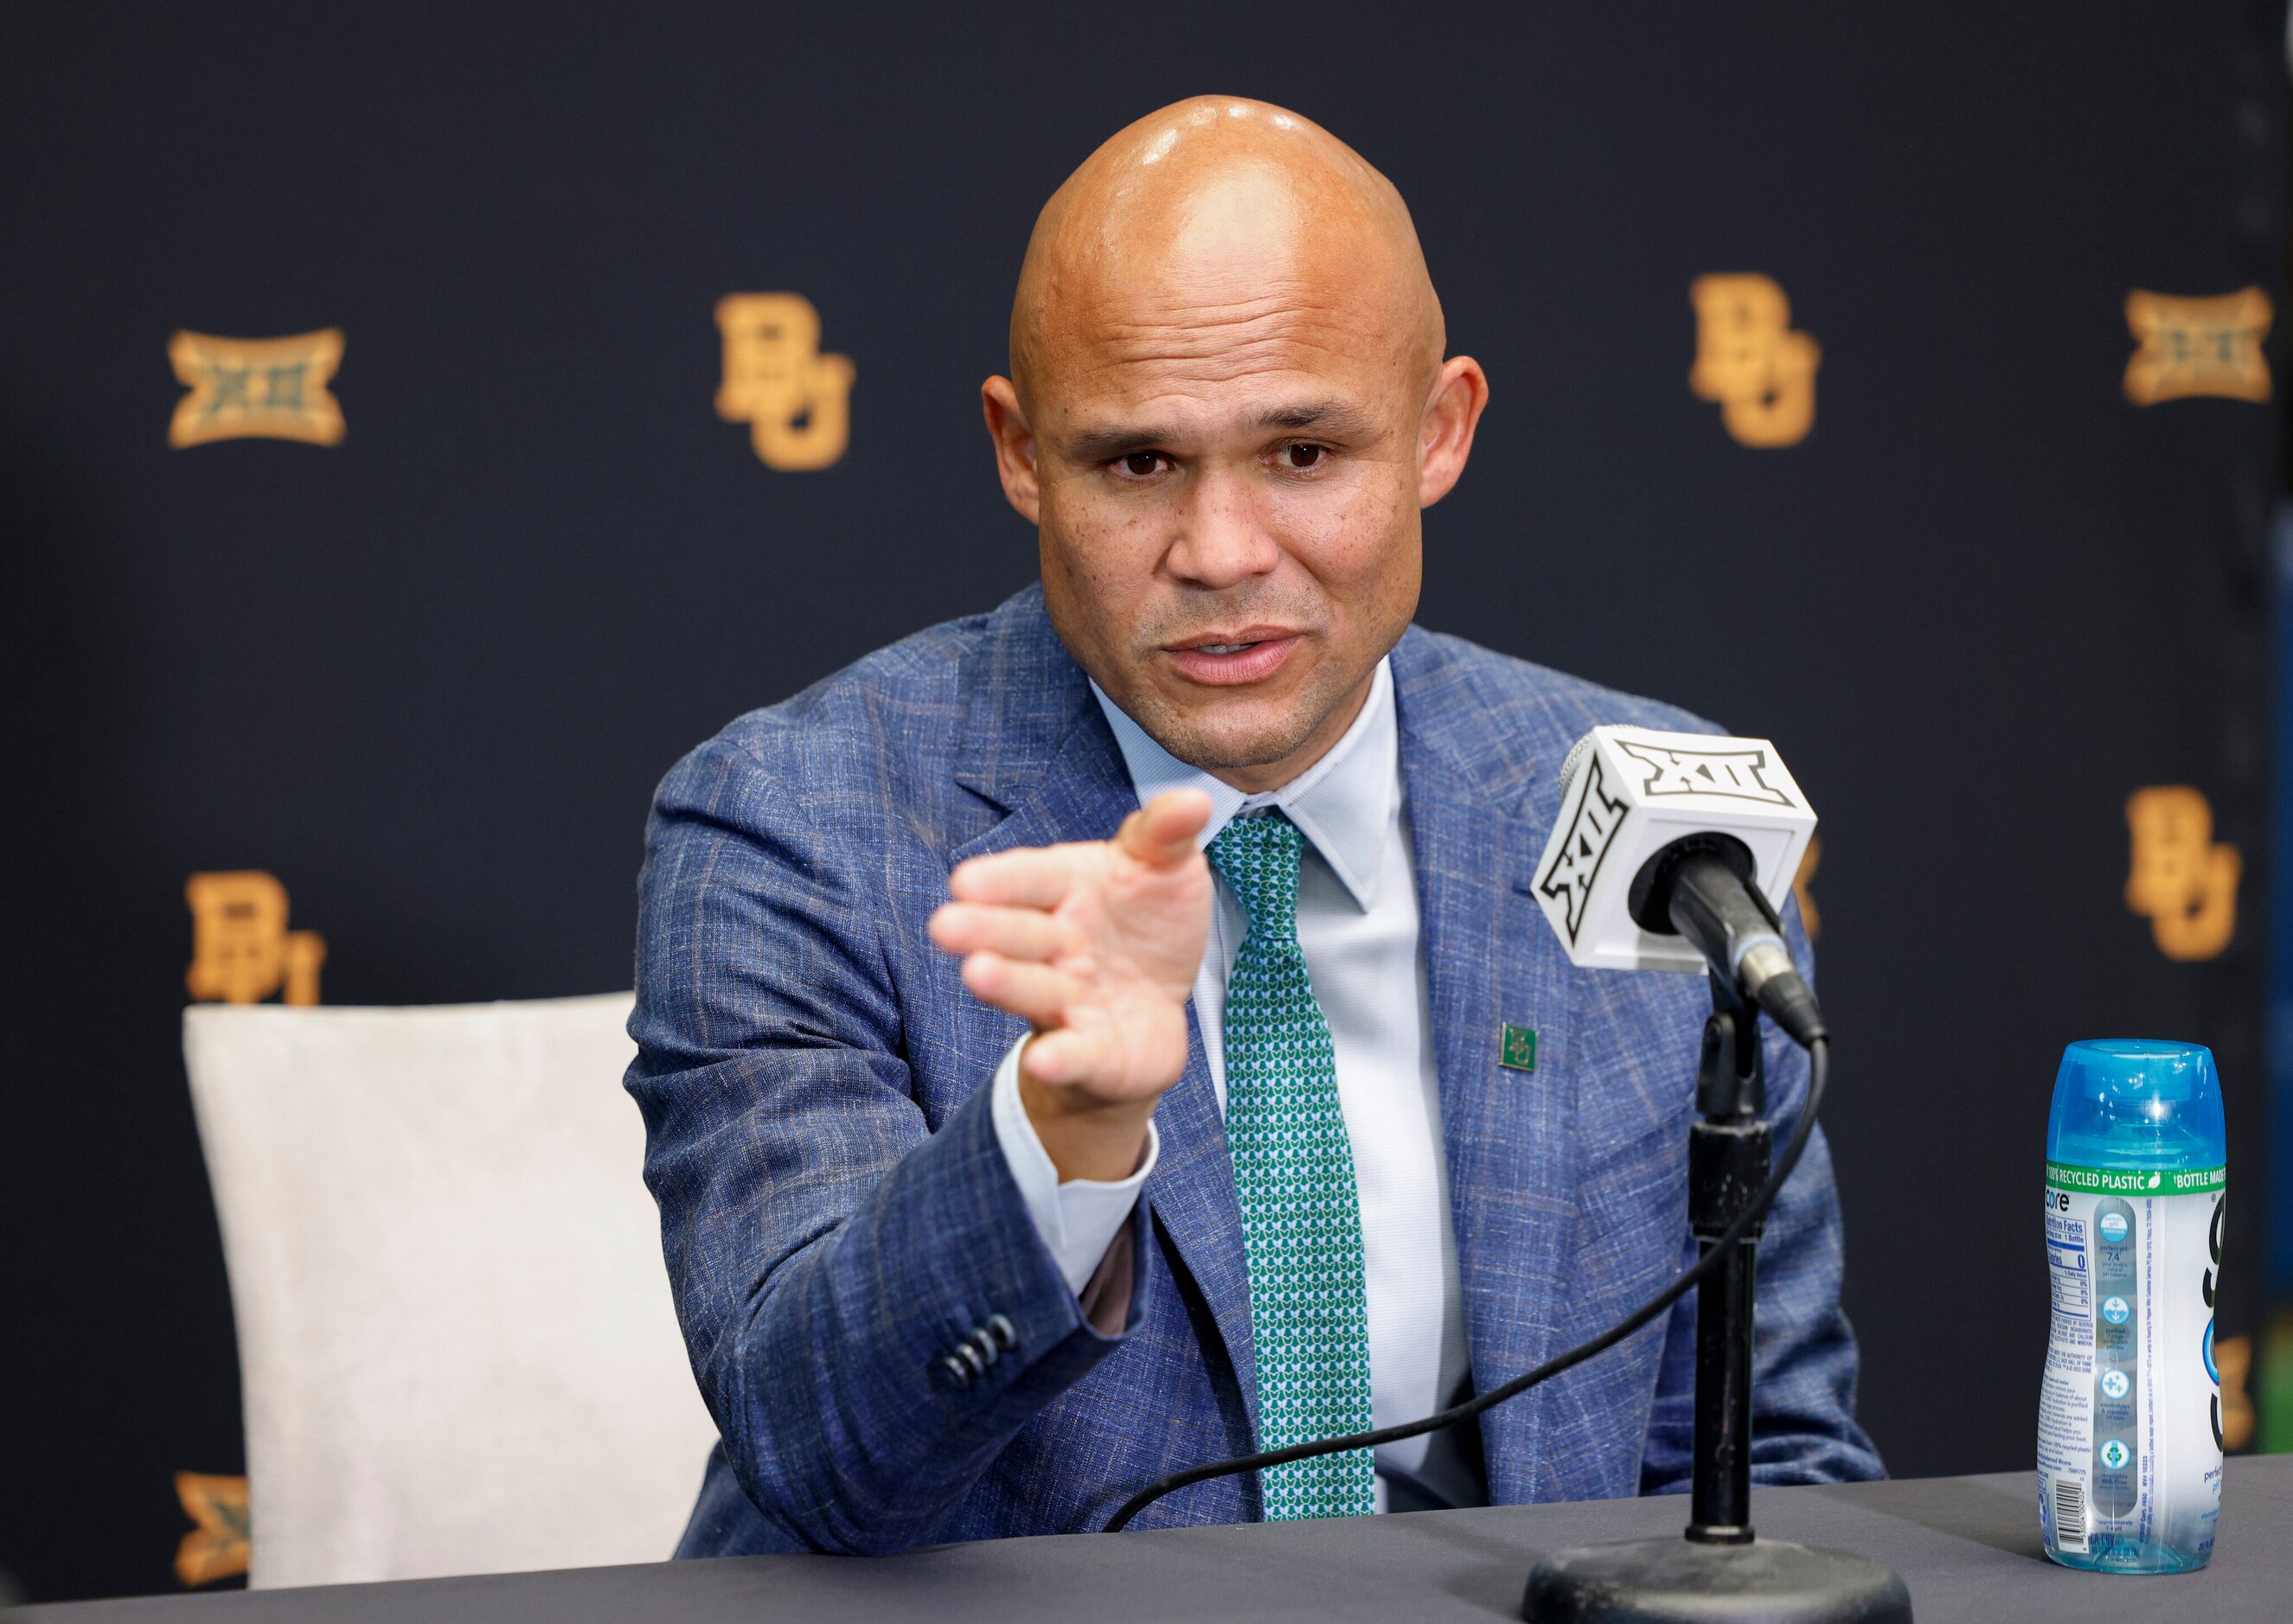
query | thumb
(1162,833)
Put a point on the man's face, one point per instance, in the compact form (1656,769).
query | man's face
(1235,410)
(1229,523)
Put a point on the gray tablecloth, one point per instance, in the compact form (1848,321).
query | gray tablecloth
(1967,1546)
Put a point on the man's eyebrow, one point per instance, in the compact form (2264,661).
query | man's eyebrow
(1331,416)
(1104,445)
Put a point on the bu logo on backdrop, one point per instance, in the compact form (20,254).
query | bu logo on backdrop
(2198,346)
(795,400)
(2181,880)
(1750,363)
(241,949)
(259,388)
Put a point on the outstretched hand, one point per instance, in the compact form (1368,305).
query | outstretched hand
(1094,944)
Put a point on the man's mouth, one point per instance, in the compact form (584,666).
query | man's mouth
(1223,658)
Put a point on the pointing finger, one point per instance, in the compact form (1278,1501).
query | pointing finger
(1162,833)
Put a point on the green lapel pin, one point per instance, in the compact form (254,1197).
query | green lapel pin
(1517,1047)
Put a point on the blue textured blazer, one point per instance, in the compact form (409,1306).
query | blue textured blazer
(836,1213)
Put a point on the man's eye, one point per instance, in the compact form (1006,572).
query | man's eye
(1142,464)
(1301,456)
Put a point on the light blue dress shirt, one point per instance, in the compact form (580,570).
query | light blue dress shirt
(1357,926)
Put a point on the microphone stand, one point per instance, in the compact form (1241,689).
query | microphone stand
(1719,1569)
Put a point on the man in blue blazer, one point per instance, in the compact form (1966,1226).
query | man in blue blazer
(1095,1037)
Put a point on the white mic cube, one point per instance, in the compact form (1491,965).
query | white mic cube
(1632,793)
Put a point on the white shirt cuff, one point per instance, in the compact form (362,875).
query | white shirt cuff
(1080,1219)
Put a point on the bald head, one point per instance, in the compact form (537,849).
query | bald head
(1227,405)
(1220,201)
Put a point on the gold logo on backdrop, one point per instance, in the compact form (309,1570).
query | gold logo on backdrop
(795,400)
(1803,887)
(2198,346)
(269,388)
(241,949)
(2234,1358)
(1750,363)
(219,1544)
(2182,880)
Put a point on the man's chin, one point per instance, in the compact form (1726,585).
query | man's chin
(1228,743)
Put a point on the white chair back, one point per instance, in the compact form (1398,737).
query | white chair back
(456,1342)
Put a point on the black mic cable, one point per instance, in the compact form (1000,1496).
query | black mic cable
(1818,1070)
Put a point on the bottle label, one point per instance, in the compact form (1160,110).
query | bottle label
(2129,1413)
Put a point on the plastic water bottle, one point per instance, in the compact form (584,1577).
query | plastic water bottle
(2129,1413)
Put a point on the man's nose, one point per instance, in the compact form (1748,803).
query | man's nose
(1223,539)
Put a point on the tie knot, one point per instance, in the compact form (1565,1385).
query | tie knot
(1258,857)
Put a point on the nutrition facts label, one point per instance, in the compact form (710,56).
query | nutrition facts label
(2066,1395)
(2066,1263)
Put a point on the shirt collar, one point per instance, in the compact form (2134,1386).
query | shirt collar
(1342,803)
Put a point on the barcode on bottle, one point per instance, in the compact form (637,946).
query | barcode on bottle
(2069,1514)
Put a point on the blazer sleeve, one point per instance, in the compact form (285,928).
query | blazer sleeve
(829,1254)
(1803,1359)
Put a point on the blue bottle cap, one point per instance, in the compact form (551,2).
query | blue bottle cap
(2136,1103)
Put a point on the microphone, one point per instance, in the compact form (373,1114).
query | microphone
(1673,852)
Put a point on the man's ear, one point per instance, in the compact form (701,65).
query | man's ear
(1445,438)
(1015,447)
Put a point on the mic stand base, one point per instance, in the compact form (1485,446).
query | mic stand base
(1674,1579)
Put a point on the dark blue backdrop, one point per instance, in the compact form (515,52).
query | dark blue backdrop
(428,676)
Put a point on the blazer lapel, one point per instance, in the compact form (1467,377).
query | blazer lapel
(1083,792)
(1491,961)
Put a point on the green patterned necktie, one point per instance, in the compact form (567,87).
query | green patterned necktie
(1293,1171)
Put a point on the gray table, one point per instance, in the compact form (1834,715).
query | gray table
(1968,1548)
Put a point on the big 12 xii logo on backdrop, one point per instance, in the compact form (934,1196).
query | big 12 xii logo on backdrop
(2198,346)
(256,388)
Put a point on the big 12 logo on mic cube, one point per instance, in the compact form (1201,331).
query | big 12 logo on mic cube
(1627,793)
